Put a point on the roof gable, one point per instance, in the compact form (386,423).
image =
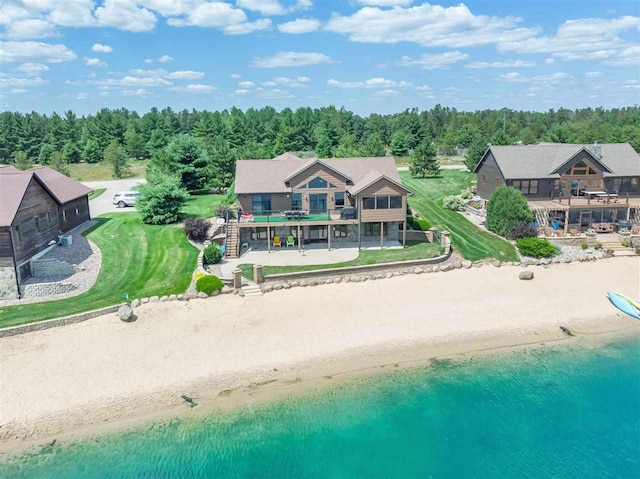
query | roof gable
(564,166)
(63,188)
(372,178)
(13,187)
(311,163)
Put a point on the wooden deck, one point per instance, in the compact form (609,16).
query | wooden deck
(564,204)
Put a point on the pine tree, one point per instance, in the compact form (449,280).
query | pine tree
(116,155)
(58,163)
(23,162)
(424,161)
(134,144)
(71,152)
(91,152)
(400,143)
(475,152)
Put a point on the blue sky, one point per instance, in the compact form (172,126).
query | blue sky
(366,55)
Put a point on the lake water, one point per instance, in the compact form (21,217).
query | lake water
(569,412)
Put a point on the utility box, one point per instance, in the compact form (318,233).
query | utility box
(66,240)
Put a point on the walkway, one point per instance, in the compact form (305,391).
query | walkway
(311,255)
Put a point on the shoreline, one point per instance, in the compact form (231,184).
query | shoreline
(226,356)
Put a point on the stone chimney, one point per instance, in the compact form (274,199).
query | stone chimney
(596,149)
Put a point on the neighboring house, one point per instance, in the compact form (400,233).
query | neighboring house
(36,206)
(319,200)
(577,185)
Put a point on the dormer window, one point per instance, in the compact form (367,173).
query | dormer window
(318,182)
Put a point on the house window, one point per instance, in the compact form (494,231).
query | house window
(318,182)
(24,270)
(340,231)
(395,202)
(369,203)
(296,201)
(16,234)
(528,187)
(36,223)
(331,185)
(64,216)
(48,218)
(77,212)
(484,179)
(261,203)
(339,199)
(373,229)
(318,202)
(382,202)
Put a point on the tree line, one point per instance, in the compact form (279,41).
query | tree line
(226,136)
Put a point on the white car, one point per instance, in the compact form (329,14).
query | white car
(126,198)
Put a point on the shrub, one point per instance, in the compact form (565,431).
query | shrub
(536,247)
(196,229)
(222,210)
(507,208)
(597,245)
(200,274)
(418,224)
(208,284)
(454,203)
(161,199)
(626,243)
(467,194)
(524,230)
(584,245)
(212,254)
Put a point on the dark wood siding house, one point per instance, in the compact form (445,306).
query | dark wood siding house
(319,200)
(36,206)
(577,185)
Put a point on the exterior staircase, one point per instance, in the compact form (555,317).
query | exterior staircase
(617,248)
(232,240)
(251,289)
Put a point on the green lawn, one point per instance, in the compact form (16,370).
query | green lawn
(202,205)
(103,171)
(97,193)
(137,259)
(414,250)
(468,240)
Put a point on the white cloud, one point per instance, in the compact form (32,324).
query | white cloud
(424,88)
(165,59)
(34,51)
(242,92)
(224,16)
(29,28)
(299,26)
(298,82)
(436,61)
(513,77)
(428,25)
(272,7)
(18,91)
(194,88)
(137,92)
(246,84)
(130,80)
(99,48)
(235,76)
(371,83)
(94,62)
(549,61)
(504,64)
(629,56)
(247,27)
(148,61)
(539,79)
(33,69)
(386,93)
(81,96)
(185,75)
(593,74)
(23,82)
(385,3)
(291,59)
(275,94)
(269,83)
(125,15)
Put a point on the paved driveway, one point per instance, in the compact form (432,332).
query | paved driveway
(102,204)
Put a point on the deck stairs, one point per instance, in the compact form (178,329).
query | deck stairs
(251,289)
(232,239)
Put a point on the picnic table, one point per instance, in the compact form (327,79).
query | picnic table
(593,193)
(295,214)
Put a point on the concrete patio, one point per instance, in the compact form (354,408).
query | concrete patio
(311,255)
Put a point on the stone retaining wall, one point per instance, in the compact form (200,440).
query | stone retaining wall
(53,323)
(8,283)
(36,290)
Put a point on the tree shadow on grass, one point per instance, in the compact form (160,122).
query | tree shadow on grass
(100,221)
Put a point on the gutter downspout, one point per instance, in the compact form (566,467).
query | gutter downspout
(359,213)
(15,265)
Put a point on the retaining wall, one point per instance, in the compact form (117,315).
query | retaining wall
(8,283)
(37,290)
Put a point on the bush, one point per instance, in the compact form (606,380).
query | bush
(454,203)
(161,199)
(584,245)
(536,247)
(212,254)
(467,194)
(418,224)
(524,230)
(196,229)
(200,274)
(507,208)
(597,245)
(223,209)
(209,284)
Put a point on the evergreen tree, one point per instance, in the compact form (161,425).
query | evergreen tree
(187,159)
(161,199)
(424,161)
(23,162)
(134,144)
(477,148)
(507,209)
(71,152)
(157,141)
(117,157)
(373,146)
(58,163)
(92,152)
(223,163)
(400,143)
(46,151)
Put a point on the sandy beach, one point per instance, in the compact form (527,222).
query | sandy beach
(229,350)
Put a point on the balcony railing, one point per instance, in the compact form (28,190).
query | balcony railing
(284,216)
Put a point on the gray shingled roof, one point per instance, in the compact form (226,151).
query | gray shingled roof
(540,161)
(268,176)
(63,188)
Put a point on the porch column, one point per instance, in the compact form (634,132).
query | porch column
(269,239)
(359,213)
(329,228)
(566,222)
(404,233)
(298,238)
(381,235)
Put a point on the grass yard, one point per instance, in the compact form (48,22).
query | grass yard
(469,240)
(137,259)
(414,250)
(102,171)
(201,205)
(444,160)
(97,193)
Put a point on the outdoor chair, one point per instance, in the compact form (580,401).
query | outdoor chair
(277,242)
(291,241)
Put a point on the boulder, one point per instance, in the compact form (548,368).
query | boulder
(182,297)
(457,264)
(418,270)
(173,297)
(164,299)
(388,275)
(154,299)
(241,292)
(495,263)
(135,303)
(202,295)
(192,295)
(286,286)
(526,275)
(215,292)
(125,313)
(466,264)
(436,268)
(226,289)
(277,287)
(448,267)
(144,300)
(294,284)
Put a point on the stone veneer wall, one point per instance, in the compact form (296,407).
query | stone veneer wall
(37,290)
(8,284)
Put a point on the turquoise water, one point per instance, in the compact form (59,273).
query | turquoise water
(562,413)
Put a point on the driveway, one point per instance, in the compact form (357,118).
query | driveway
(102,204)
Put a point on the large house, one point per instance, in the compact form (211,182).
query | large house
(318,200)
(571,186)
(36,206)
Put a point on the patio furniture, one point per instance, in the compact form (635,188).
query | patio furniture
(593,193)
(277,242)
(295,214)
(291,241)
(622,225)
(607,197)
(603,227)
(635,230)
(246,217)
